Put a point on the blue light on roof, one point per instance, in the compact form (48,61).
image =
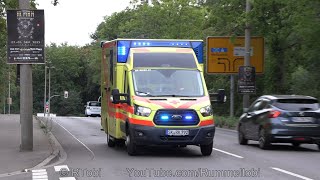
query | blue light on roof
(123,51)
(198,50)
(125,45)
(148,43)
(164,117)
(188,117)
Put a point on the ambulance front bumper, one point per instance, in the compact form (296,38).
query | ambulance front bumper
(146,135)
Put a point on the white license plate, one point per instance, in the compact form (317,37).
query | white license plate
(177,132)
(302,119)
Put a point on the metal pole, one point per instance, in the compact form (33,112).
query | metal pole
(45,91)
(232,95)
(247,49)
(26,99)
(4,104)
(49,104)
(9,103)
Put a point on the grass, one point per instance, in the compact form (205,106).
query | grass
(226,122)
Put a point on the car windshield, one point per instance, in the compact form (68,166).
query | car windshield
(95,104)
(297,104)
(167,82)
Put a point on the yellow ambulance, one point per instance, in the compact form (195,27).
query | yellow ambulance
(153,92)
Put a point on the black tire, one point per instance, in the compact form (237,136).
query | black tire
(296,144)
(206,149)
(110,142)
(264,140)
(131,146)
(241,137)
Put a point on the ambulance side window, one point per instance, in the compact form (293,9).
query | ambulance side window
(111,66)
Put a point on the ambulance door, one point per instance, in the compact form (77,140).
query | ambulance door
(112,108)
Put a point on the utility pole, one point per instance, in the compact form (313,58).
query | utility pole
(231,95)
(9,94)
(26,99)
(45,91)
(247,49)
(49,104)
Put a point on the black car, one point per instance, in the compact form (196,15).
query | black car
(281,119)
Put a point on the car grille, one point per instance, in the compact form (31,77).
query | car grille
(176,117)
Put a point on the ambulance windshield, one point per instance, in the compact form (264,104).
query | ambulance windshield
(168,82)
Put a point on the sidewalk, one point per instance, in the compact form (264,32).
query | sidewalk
(12,159)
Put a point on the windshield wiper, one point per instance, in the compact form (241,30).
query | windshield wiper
(144,93)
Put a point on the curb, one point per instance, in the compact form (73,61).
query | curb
(58,155)
(229,130)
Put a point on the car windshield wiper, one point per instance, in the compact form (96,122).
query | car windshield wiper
(144,93)
(171,95)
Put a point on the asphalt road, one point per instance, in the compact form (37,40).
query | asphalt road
(89,157)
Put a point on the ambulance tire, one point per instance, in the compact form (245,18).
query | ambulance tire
(110,142)
(206,149)
(131,146)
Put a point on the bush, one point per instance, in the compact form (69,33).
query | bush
(226,122)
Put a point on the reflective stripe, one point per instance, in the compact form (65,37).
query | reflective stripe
(141,122)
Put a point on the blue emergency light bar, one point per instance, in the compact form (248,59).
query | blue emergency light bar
(125,45)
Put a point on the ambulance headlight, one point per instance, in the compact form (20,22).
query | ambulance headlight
(206,111)
(142,111)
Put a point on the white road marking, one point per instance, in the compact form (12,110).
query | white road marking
(93,156)
(40,177)
(234,155)
(39,174)
(58,168)
(67,178)
(291,173)
(39,170)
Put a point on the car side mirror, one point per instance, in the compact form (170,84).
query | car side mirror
(115,97)
(222,98)
(218,97)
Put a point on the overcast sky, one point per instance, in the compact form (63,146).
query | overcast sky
(73,21)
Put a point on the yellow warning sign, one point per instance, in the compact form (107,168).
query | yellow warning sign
(225,55)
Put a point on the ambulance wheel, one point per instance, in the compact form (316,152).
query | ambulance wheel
(206,149)
(110,142)
(131,146)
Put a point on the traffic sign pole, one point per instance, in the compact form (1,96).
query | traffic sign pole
(246,97)
(26,99)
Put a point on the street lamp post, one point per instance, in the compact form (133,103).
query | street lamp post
(45,91)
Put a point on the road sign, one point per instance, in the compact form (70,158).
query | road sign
(9,101)
(25,36)
(225,56)
(247,80)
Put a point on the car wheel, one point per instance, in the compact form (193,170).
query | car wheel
(296,144)
(131,146)
(206,149)
(241,137)
(264,140)
(111,143)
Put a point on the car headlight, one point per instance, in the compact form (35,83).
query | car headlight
(142,111)
(206,111)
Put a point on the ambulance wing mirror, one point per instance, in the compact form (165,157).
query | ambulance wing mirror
(116,97)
